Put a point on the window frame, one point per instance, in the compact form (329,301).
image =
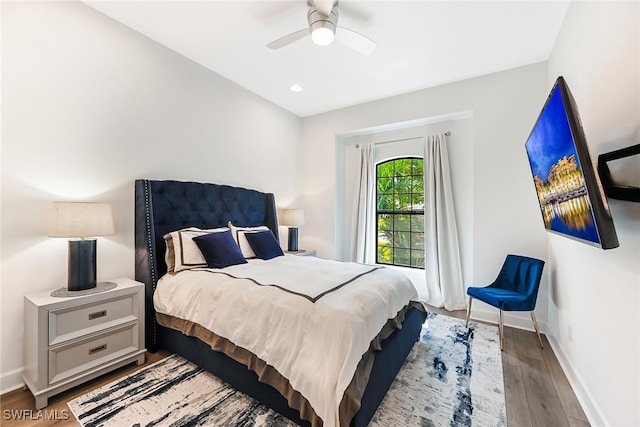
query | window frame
(408,212)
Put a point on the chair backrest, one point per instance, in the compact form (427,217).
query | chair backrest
(521,274)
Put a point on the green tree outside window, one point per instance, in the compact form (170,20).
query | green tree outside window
(400,212)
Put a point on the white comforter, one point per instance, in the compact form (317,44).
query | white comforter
(315,345)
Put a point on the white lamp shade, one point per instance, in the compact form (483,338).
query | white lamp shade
(81,219)
(292,217)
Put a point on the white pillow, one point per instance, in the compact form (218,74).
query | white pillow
(238,234)
(182,252)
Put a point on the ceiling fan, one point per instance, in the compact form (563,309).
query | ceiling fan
(323,28)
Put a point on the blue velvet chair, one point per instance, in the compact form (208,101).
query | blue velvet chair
(515,289)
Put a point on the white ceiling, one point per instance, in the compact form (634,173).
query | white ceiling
(421,44)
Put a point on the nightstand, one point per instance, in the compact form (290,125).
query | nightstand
(70,340)
(302,252)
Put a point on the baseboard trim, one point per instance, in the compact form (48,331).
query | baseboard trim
(11,380)
(589,406)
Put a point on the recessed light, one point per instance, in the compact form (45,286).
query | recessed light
(296,88)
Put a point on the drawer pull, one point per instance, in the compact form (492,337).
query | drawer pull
(94,350)
(97,314)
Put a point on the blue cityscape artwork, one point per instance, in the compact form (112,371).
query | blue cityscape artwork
(557,174)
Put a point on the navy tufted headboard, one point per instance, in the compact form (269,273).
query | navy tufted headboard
(165,206)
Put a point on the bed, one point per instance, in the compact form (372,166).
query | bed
(162,207)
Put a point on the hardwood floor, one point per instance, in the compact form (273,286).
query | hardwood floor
(537,392)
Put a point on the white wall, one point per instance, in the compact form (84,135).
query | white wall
(594,311)
(504,218)
(88,106)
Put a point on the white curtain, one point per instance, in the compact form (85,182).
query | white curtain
(442,252)
(363,239)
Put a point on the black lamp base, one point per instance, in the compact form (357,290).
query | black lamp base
(82,265)
(293,239)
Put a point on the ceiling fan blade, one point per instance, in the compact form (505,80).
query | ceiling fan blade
(286,40)
(272,12)
(324,6)
(355,41)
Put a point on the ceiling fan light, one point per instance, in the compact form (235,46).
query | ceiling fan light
(322,27)
(322,36)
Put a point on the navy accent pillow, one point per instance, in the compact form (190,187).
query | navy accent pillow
(264,244)
(220,249)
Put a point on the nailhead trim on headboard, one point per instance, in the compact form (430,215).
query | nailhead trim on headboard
(152,264)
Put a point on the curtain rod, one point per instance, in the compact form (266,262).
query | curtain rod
(447,133)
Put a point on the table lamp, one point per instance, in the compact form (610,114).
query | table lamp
(293,218)
(82,221)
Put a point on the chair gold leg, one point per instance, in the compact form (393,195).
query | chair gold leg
(466,325)
(501,328)
(535,325)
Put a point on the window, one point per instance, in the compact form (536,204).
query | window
(400,212)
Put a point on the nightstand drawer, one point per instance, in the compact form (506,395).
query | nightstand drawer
(69,360)
(74,322)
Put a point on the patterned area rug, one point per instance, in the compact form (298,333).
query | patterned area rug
(452,377)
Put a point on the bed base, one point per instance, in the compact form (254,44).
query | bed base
(228,370)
